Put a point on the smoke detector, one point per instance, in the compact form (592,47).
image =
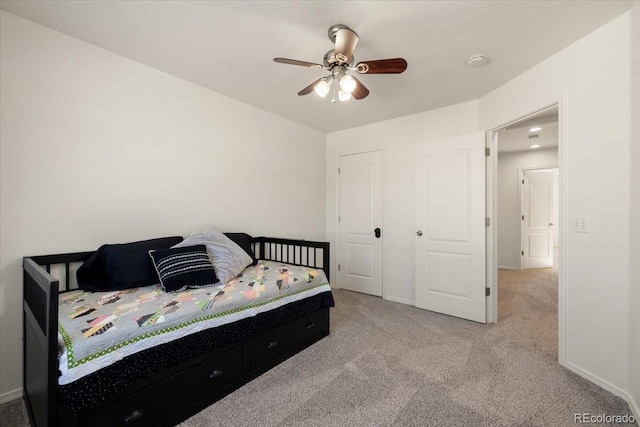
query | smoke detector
(477,60)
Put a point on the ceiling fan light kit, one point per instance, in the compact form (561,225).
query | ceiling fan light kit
(338,61)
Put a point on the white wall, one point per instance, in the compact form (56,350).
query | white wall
(634,301)
(96,148)
(593,77)
(509,210)
(397,138)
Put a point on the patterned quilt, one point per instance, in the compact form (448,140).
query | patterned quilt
(97,329)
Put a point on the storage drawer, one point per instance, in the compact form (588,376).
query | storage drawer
(311,325)
(278,342)
(156,404)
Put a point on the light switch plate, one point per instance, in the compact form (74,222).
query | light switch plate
(581,224)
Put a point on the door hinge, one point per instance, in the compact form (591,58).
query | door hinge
(338,267)
(523,181)
(522,253)
(487,222)
(523,217)
(338,171)
(338,218)
(487,151)
(487,292)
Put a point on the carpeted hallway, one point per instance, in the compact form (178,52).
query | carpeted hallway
(388,364)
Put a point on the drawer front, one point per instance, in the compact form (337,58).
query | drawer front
(156,404)
(270,345)
(209,377)
(276,343)
(312,325)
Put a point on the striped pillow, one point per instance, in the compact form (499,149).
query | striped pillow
(182,268)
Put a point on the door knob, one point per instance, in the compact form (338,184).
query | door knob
(550,224)
(419,233)
(377,233)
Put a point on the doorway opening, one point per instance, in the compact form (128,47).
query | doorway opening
(525,201)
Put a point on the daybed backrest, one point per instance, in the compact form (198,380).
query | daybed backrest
(297,252)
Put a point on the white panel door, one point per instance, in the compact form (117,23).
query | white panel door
(537,217)
(450,226)
(360,214)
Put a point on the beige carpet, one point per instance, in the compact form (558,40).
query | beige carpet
(388,364)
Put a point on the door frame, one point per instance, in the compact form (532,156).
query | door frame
(338,255)
(521,172)
(492,213)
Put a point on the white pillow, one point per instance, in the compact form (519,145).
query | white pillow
(227,257)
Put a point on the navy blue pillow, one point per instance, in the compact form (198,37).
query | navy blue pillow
(245,242)
(185,267)
(122,266)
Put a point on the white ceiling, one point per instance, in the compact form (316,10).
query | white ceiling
(228,46)
(517,137)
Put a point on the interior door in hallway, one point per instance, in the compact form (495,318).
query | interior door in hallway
(450,227)
(537,217)
(360,223)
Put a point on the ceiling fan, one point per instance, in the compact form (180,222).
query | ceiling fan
(338,61)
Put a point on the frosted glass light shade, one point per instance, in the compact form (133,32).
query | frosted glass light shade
(344,96)
(347,83)
(322,88)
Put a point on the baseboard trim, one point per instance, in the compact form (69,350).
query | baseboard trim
(10,395)
(607,386)
(400,300)
(507,267)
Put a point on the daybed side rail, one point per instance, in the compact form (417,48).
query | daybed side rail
(40,329)
(297,252)
(62,259)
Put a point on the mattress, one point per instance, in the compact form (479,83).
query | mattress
(99,329)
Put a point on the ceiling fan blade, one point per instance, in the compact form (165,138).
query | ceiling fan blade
(346,41)
(360,91)
(382,66)
(307,90)
(296,62)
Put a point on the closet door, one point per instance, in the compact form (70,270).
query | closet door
(360,223)
(450,226)
(537,214)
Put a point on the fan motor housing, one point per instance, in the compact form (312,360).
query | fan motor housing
(330,59)
(333,30)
